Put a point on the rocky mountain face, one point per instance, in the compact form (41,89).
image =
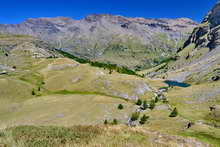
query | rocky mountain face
(132,42)
(207,34)
(199,58)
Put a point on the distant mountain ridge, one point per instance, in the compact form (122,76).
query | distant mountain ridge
(132,42)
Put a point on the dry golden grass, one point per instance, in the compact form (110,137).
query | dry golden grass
(93,136)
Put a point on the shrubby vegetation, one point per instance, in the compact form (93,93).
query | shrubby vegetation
(145,105)
(174,113)
(143,120)
(33,92)
(135,116)
(156,99)
(111,67)
(106,122)
(115,122)
(152,104)
(139,102)
(80,60)
(120,107)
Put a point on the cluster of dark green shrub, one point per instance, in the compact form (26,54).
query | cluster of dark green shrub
(174,113)
(114,122)
(120,107)
(152,104)
(144,105)
(143,119)
(139,102)
(111,67)
(136,115)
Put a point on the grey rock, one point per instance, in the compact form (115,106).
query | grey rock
(208,33)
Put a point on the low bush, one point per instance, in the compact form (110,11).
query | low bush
(152,104)
(105,122)
(139,102)
(135,116)
(143,120)
(174,113)
(115,122)
(33,92)
(156,99)
(120,107)
(145,105)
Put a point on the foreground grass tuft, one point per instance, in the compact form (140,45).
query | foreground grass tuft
(31,136)
(90,136)
(53,136)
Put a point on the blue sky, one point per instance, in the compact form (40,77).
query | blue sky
(15,11)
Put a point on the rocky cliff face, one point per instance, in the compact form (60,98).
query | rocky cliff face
(199,59)
(133,42)
(207,34)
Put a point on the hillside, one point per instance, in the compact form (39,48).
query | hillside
(35,77)
(198,60)
(46,89)
(200,55)
(133,42)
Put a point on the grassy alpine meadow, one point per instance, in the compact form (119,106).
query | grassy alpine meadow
(65,103)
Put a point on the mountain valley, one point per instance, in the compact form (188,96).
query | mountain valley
(111,81)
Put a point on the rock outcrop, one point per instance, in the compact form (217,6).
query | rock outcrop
(207,34)
(200,54)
